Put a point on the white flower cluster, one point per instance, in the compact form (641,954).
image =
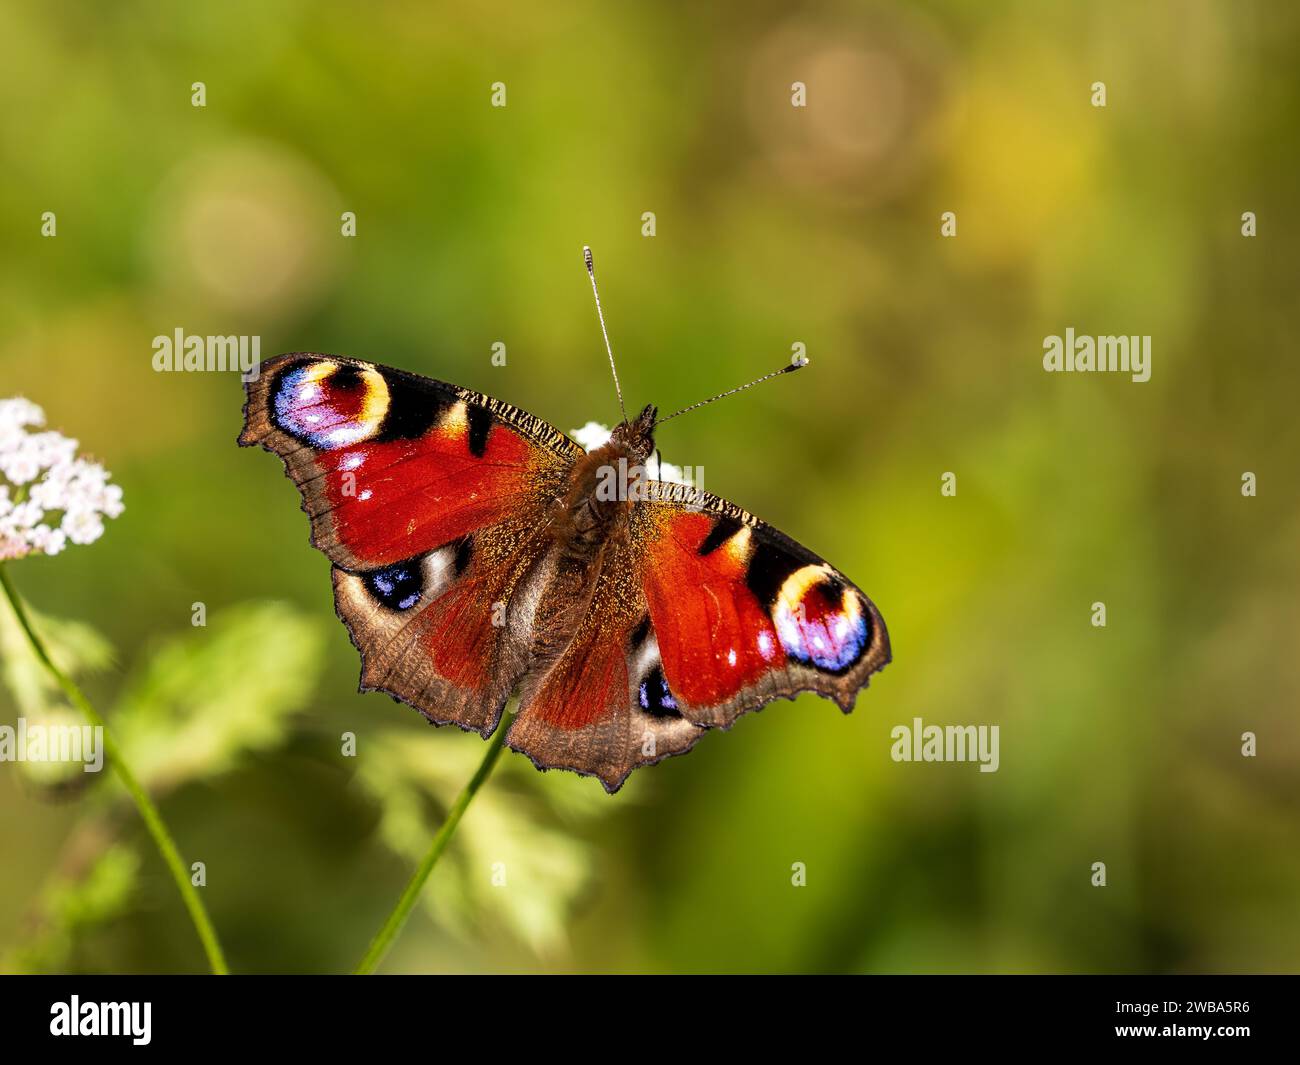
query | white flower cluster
(594,435)
(40,475)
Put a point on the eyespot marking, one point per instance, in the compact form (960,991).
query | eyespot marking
(405,585)
(398,587)
(820,620)
(654,697)
(328,404)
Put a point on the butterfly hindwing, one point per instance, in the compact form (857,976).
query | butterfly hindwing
(448,632)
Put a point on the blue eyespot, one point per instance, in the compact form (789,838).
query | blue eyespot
(398,587)
(654,696)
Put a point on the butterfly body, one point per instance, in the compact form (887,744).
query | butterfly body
(478,551)
(600,493)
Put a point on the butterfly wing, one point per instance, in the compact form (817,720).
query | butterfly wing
(701,613)
(431,501)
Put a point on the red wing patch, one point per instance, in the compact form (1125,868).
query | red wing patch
(587,685)
(716,638)
(407,497)
(458,634)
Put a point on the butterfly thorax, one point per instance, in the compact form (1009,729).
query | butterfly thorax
(601,490)
(606,482)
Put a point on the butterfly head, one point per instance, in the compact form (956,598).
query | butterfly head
(637,434)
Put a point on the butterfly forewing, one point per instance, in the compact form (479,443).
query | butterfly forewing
(766,617)
(391,464)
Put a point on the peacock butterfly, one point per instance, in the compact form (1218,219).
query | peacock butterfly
(475,553)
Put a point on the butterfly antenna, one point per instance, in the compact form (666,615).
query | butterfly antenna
(591,273)
(797,363)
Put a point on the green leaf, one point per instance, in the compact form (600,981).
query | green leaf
(513,859)
(74,904)
(217,692)
(78,649)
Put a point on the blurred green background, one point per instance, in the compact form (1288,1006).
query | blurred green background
(774,224)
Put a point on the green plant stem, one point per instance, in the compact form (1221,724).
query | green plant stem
(148,811)
(384,938)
